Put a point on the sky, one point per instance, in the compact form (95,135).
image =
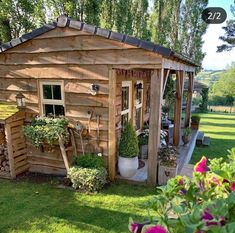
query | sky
(214,60)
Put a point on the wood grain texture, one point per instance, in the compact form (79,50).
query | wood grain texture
(154,125)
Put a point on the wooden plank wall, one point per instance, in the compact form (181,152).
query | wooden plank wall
(17,150)
(80,60)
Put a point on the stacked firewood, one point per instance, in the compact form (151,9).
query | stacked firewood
(4,161)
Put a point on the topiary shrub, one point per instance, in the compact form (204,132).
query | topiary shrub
(195,119)
(128,146)
(88,179)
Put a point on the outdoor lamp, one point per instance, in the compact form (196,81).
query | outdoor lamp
(20,100)
(139,86)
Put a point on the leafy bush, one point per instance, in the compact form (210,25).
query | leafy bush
(168,156)
(89,161)
(88,179)
(187,131)
(206,204)
(143,138)
(195,119)
(46,130)
(128,146)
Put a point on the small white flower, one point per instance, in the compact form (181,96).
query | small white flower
(99,154)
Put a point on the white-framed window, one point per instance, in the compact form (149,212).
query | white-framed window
(138,105)
(126,101)
(52,98)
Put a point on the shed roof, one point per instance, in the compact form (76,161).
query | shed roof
(7,110)
(64,21)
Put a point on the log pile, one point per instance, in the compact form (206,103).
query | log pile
(4,161)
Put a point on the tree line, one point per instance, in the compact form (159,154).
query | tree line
(176,24)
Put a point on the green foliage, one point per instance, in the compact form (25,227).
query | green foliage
(168,156)
(143,138)
(46,130)
(204,204)
(204,104)
(128,146)
(88,179)
(88,161)
(228,38)
(195,119)
(187,131)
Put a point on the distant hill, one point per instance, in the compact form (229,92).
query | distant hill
(209,77)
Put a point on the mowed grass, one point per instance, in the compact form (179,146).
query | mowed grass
(221,128)
(36,208)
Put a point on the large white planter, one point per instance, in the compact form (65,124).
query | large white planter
(128,166)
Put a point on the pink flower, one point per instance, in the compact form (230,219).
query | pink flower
(136,227)
(232,186)
(201,166)
(215,181)
(156,229)
(181,181)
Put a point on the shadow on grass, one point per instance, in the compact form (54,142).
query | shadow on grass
(219,124)
(41,208)
(224,133)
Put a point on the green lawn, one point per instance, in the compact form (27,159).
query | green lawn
(30,207)
(221,128)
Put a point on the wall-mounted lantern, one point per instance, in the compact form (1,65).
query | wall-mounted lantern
(20,100)
(139,86)
(94,89)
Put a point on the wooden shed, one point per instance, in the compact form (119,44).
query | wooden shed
(71,68)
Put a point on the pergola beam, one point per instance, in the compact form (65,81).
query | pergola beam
(154,124)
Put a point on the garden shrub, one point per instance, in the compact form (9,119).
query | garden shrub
(206,204)
(128,146)
(88,161)
(89,173)
(46,130)
(88,179)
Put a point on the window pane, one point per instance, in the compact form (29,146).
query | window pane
(138,96)
(56,92)
(138,118)
(59,110)
(47,92)
(124,119)
(48,110)
(125,98)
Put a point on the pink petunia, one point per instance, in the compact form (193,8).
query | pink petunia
(201,166)
(215,181)
(181,181)
(136,227)
(156,229)
(207,215)
(232,186)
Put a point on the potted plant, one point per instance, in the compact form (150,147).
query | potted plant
(195,120)
(143,143)
(128,152)
(186,136)
(167,167)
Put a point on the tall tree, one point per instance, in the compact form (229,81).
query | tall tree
(192,29)
(229,37)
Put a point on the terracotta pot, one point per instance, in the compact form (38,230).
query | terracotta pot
(195,126)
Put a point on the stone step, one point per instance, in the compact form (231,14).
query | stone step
(206,141)
(200,138)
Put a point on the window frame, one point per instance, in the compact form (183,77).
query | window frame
(129,110)
(51,101)
(139,106)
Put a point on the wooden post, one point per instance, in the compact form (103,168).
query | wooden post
(63,153)
(10,150)
(154,124)
(166,75)
(178,106)
(189,99)
(112,125)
